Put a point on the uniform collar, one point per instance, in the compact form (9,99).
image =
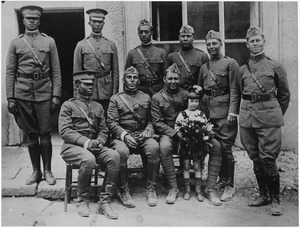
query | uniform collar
(96,35)
(258,56)
(85,99)
(171,93)
(130,91)
(147,45)
(217,57)
(32,33)
(188,50)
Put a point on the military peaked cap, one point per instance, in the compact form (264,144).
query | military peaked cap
(131,70)
(31,11)
(173,69)
(253,30)
(84,75)
(213,35)
(186,29)
(97,14)
(144,22)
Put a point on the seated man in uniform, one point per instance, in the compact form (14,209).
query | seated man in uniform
(132,131)
(83,129)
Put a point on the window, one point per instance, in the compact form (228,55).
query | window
(231,19)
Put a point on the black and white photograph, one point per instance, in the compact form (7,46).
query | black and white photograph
(149,113)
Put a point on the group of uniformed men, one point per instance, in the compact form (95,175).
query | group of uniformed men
(100,125)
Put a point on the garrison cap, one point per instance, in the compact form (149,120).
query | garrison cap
(131,70)
(253,30)
(192,93)
(144,22)
(97,14)
(31,11)
(213,35)
(84,75)
(186,29)
(173,69)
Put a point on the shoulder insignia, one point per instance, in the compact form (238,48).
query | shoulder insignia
(269,58)
(105,38)
(20,36)
(227,57)
(72,99)
(86,38)
(139,91)
(44,34)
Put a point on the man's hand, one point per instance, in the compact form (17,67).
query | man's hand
(197,88)
(94,145)
(55,103)
(130,141)
(146,135)
(231,120)
(12,107)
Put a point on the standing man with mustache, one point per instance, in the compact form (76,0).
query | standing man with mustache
(99,54)
(187,58)
(219,79)
(149,60)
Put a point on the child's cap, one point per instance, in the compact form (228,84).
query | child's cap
(192,93)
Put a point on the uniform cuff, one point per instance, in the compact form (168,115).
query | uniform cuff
(85,145)
(232,114)
(123,135)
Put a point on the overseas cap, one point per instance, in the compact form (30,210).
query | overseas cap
(131,70)
(173,69)
(97,14)
(213,35)
(31,11)
(144,22)
(85,75)
(253,30)
(186,29)
(192,93)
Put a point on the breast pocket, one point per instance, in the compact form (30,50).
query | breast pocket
(44,54)
(267,79)
(156,64)
(106,57)
(166,109)
(142,108)
(222,77)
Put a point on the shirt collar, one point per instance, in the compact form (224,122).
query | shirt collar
(217,57)
(85,99)
(96,35)
(32,33)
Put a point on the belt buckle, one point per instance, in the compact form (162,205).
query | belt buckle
(253,98)
(212,93)
(36,76)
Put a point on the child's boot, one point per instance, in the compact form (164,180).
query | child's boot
(187,193)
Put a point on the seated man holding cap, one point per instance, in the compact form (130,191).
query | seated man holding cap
(83,129)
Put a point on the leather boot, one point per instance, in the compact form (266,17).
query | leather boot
(229,189)
(274,186)
(107,190)
(264,198)
(153,169)
(34,153)
(187,193)
(84,182)
(124,188)
(223,175)
(172,196)
(211,194)
(46,151)
(200,198)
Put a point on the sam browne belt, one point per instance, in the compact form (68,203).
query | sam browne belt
(259,97)
(35,76)
(217,92)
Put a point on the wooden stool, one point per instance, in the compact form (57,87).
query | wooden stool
(73,184)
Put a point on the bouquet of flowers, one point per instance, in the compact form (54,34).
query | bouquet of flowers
(196,133)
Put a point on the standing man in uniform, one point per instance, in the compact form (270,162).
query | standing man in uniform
(187,58)
(219,79)
(150,61)
(129,121)
(83,128)
(99,54)
(266,96)
(33,89)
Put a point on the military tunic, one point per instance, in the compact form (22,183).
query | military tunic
(156,58)
(194,59)
(121,120)
(218,106)
(75,130)
(107,77)
(31,85)
(260,121)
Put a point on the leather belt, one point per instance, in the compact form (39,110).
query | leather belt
(35,76)
(259,97)
(101,74)
(150,82)
(134,127)
(217,92)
